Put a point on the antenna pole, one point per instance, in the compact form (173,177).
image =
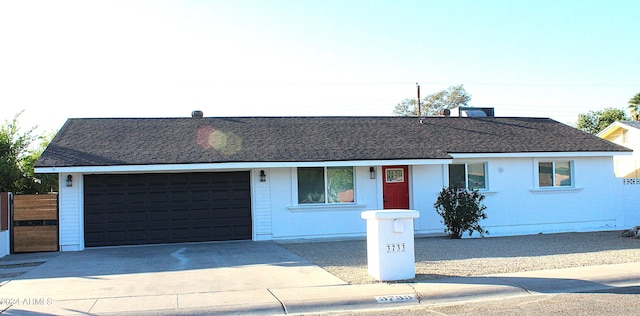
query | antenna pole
(419,109)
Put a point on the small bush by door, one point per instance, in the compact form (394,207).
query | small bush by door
(461,210)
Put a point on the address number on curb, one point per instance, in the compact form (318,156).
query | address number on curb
(396,298)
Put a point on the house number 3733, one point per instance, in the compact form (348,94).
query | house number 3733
(398,247)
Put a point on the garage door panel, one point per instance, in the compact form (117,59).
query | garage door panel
(159,235)
(241,230)
(201,195)
(118,217)
(117,236)
(96,219)
(136,198)
(164,208)
(158,216)
(180,196)
(181,215)
(136,238)
(181,233)
(201,231)
(156,179)
(137,217)
(224,231)
(93,236)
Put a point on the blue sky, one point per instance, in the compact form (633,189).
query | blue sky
(61,59)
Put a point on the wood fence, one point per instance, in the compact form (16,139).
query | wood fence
(35,223)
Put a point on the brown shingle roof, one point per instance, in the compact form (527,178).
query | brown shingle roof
(144,141)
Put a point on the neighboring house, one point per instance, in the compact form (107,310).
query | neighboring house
(158,180)
(625,133)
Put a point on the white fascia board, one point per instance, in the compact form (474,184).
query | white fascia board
(236,166)
(360,163)
(613,127)
(603,133)
(541,154)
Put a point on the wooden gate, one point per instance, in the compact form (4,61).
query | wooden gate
(35,223)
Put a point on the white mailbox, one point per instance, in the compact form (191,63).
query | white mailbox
(390,245)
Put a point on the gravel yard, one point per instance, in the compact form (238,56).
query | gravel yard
(438,257)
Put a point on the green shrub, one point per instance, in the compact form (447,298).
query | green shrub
(461,210)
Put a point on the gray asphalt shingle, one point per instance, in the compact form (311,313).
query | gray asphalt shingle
(144,141)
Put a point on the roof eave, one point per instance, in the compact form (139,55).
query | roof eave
(235,166)
(541,154)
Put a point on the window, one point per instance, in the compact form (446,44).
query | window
(394,175)
(325,185)
(468,175)
(554,174)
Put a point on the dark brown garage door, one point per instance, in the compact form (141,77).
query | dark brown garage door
(137,209)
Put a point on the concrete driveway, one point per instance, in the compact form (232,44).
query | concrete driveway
(255,278)
(112,275)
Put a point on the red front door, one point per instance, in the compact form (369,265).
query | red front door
(395,187)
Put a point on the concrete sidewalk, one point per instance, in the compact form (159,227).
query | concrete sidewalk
(338,297)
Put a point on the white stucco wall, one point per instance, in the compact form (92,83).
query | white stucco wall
(5,236)
(427,181)
(631,202)
(292,221)
(516,206)
(4,243)
(514,203)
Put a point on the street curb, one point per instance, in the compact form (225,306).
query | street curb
(345,297)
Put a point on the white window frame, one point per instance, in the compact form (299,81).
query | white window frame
(326,188)
(485,165)
(553,185)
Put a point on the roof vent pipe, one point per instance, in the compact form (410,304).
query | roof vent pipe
(197,114)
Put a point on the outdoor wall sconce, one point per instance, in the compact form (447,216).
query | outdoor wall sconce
(69,181)
(263,176)
(372,172)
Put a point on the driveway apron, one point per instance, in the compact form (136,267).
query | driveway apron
(167,269)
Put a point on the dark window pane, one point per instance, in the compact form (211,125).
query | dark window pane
(456,176)
(545,174)
(310,185)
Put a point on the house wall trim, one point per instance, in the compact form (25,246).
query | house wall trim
(326,207)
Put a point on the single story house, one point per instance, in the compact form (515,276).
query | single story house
(625,133)
(126,181)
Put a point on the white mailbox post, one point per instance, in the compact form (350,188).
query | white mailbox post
(390,245)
